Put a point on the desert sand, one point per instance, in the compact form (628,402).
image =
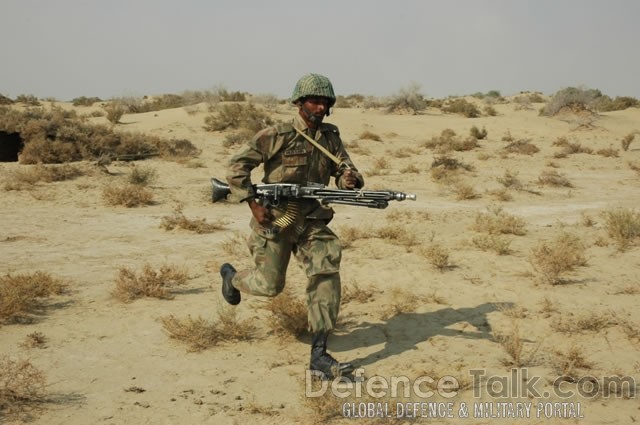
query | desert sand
(109,362)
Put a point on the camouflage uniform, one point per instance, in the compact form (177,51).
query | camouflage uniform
(289,158)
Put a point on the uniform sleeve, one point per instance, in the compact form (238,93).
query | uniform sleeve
(341,153)
(240,167)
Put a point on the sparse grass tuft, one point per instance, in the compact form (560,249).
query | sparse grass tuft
(22,387)
(22,295)
(179,221)
(623,226)
(28,177)
(464,191)
(592,322)
(437,255)
(289,315)
(608,152)
(149,283)
(523,147)
(402,301)
(35,340)
(142,176)
(200,334)
(129,195)
(493,243)
(367,135)
(556,258)
(567,362)
(514,345)
(496,221)
(553,178)
(356,292)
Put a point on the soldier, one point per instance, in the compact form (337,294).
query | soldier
(289,158)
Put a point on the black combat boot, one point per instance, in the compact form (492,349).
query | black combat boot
(322,364)
(230,294)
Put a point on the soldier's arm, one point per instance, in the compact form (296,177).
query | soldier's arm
(339,173)
(240,167)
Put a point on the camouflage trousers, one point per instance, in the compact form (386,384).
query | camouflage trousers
(319,251)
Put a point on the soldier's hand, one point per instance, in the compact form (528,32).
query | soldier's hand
(349,179)
(260,213)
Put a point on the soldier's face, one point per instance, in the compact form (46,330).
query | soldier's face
(316,107)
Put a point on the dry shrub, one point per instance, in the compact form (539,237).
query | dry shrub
(490,111)
(558,257)
(370,136)
(493,243)
(514,346)
(57,136)
(236,138)
(237,115)
(496,221)
(478,134)
(26,178)
(235,245)
(446,169)
(463,107)
(567,363)
(22,295)
(635,166)
(502,195)
(608,152)
(396,234)
(129,195)
(510,180)
(553,178)
(179,221)
(35,340)
(289,315)
(142,176)
(437,255)
(410,169)
(115,110)
(592,322)
(569,148)
(349,234)
(407,99)
(523,147)
(448,141)
(623,226)
(575,98)
(200,334)
(22,388)
(401,301)
(149,283)
(355,292)
(464,191)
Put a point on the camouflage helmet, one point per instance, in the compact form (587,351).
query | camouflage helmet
(313,85)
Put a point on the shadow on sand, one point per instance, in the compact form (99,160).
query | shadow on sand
(404,331)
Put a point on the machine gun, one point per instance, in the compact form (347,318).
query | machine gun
(274,193)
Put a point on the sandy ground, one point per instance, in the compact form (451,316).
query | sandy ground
(98,348)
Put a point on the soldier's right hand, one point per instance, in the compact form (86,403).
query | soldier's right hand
(262,215)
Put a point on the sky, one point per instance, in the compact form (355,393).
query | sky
(111,48)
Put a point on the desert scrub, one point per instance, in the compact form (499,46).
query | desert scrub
(553,178)
(130,285)
(552,260)
(142,176)
(57,136)
(437,255)
(29,176)
(497,222)
(22,296)
(22,388)
(407,100)
(522,147)
(495,243)
(237,115)
(577,98)
(478,134)
(199,333)
(462,107)
(179,221)
(448,141)
(288,315)
(128,195)
(623,226)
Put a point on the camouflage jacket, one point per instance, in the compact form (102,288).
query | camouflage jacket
(289,158)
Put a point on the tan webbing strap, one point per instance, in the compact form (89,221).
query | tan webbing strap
(323,150)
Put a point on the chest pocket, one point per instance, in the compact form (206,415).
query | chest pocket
(295,163)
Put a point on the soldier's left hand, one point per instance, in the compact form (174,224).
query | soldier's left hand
(349,179)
